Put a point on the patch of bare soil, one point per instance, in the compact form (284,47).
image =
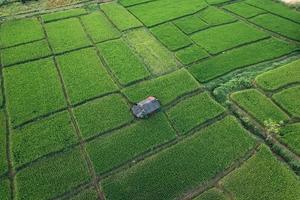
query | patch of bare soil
(291,2)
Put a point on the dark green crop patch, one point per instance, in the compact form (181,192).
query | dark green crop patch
(122,61)
(191,54)
(243,9)
(84,75)
(190,24)
(5,189)
(32,89)
(102,115)
(194,111)
(88,194)
(3,160)
(212,194)
(214,16)
(290,136)
(63,14)
(127,143)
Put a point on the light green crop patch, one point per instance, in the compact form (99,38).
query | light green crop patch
(289,99)
(132,2)
(52,177)
(263,177)
(84,75)
(41,138)
(102,115)
(120,16)
(32,89)
(88,194)
(125,144)
(194,111)
(221,38)
(190,24)
(244,10)
(166,88)
(25,52)
(213,2)
(191,54)
(239,58)
(158,59)
(15,32)
(171,36)
(123,63)
(3,160)
(63,14)
(65,35)
(290,136)
(214,16)
(5,189)
(278,25)
(259,106)
(99,27)
(157,12)
(184,166)
(280,77)
(212,194)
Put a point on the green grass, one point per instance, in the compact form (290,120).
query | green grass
(280,77)
(221,38)
(190,24)
(278,25)
(263,177)
(25,52)
(239,58)
(4,189)
(99,27)
(214,16)
(41,138)
(244,10)
(65,35)
(157,12)
(63,14)
(154,54)
(15,32)
(194,111)
(125,144)
(212,194)
(182,167)
(84,75)
(32,89)
(120,16)
(289,99)
(122,61)
(132,2)
(102,115)
(191,54)
(88,194)
(259,106)
(171,36)
(51,177)
(290,135)
(3,161)
(166,88)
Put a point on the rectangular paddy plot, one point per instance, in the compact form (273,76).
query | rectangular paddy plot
(32,89)
(125,144)
(194,111)
(120,16)
(191,54)
(132,2)
(66,35)
(20,31)
(182,167)
(214,16)
(84,75)
(166,88)
(3,160)
(289,99)
(51,177)
(290,136)
(5,189)
(171,36)
(258,106)
(244,10)
(122,61)
(63,14)
(263,177)
(278,25)
(241,57)
(157,12)
(41,138)
(87,194)
(218,39)
(154,54)
(99,27)
(102,115)
(279,77)
(190,24)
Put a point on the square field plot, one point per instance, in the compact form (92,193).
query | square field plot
(84,75)
(185,166)
(194,111)
(122,61)
(190,24)
(63,14)
(214,16)
(32,89)
(127,143)
(102,115)
(191,54)
(41,138)
(53,176)
(20,31)
(166,88)
(65,35)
